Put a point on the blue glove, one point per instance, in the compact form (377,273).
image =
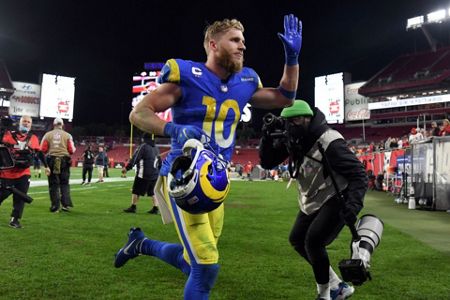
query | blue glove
(182,133)
(291,39)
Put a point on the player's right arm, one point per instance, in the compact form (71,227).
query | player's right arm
(144,117)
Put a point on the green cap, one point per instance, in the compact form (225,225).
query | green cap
(300,108)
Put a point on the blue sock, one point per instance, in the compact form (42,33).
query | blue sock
(200,281)
(169,253)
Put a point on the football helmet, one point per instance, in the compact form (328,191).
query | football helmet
(198,180)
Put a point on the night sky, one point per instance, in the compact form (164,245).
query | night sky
(103,43)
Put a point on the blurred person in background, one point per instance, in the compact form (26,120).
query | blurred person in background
(100,162)
(88,165)
(248,168)
(146,159)
(59,146)
(106,165)
(434,131)
(445,128)
(37,166)
(22,145)
(393,144)
(415,136)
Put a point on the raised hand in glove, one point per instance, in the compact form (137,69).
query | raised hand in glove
(182,133)
(291,39)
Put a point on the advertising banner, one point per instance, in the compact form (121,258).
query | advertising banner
(329,96)
(25,100)
(356,105)
(57,96)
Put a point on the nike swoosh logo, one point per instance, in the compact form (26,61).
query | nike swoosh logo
(125,250)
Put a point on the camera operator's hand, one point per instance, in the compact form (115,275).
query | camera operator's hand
(48,171)
(266,133)
(349,214)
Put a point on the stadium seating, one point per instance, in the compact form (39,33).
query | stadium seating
(442,64)
(372,133)
(410,72)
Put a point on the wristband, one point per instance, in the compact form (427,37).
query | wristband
(291,60)
(288,94)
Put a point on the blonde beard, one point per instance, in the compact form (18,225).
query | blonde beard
(229,65)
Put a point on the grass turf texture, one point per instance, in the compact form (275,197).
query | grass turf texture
(70,255)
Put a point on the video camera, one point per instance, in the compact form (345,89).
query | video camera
(274,126)
(356,269)
(6,158)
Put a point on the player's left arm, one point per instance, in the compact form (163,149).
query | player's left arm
(284,95)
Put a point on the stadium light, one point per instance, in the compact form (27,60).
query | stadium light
(436,16)
(415,22)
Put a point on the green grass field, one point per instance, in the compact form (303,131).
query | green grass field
(70,255)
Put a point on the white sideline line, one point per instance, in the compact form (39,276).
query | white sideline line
(78,181)
(71,189)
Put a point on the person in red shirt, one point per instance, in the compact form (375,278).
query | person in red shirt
(22,144)
(248,168)
(445,128)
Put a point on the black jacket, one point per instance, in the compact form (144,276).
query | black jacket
(144,158)
(340,158)
(88,157)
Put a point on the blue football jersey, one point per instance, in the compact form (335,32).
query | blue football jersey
(208,102)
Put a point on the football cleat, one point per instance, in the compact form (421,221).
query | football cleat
(198,180)
(131,249)
(14,223)
(343,291)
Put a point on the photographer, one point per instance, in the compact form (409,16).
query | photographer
(58,145)
(296,135)
(21,144)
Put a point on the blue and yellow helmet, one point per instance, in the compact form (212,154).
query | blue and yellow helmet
(198,179)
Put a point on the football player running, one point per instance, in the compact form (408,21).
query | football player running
(207,99)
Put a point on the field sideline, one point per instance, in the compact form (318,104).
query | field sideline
(70,255)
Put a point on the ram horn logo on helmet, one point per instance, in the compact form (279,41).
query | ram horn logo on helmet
(198,179)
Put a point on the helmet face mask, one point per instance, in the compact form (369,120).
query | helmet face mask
(198,180)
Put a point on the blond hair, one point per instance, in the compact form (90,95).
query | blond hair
(219,27)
